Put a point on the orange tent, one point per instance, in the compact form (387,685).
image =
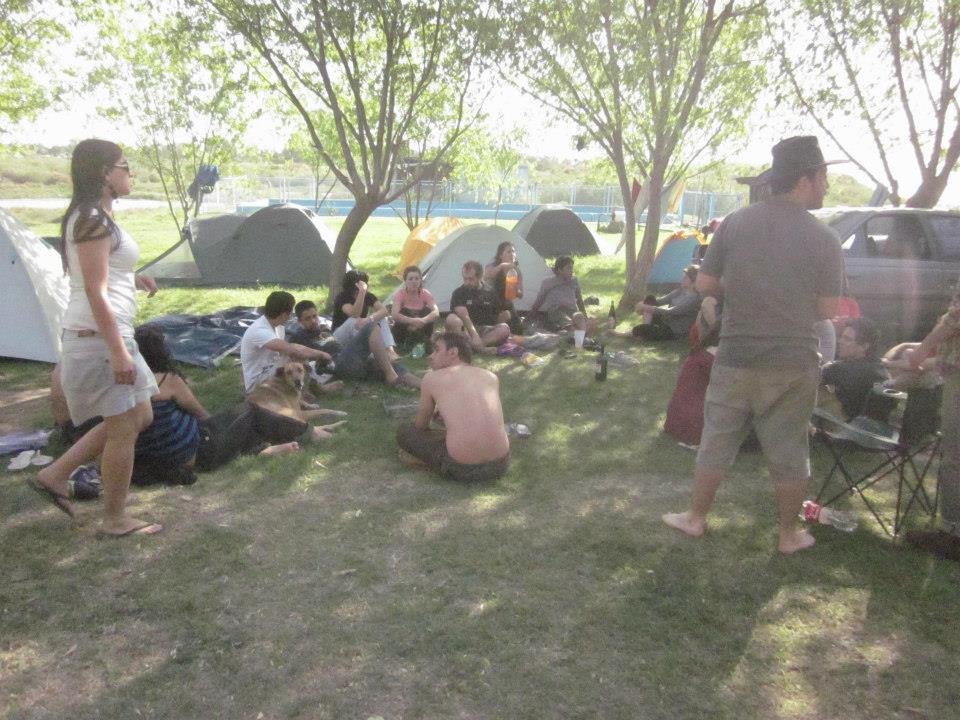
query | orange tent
(423,237)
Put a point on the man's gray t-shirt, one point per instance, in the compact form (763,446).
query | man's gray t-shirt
(775,260)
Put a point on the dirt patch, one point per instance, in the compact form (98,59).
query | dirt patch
(20,409)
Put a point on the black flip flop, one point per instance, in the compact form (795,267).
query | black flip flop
(61,502)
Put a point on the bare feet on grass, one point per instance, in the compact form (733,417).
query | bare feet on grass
(411,461)
(794,541)
(685,523)
(322,432)
(282,449)
(332,387)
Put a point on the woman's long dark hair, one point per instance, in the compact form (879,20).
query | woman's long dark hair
(500,248)
(153,346)
(350,280)
(89,165)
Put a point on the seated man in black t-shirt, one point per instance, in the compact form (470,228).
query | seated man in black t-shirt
(473,310)
(857,370)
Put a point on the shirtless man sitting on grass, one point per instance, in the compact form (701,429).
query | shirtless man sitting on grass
(473,444)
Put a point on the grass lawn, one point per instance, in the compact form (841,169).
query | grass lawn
(335,583)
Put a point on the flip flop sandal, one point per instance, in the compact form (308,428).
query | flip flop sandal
(61,502)
(22,460)
(147,528)
(41,460)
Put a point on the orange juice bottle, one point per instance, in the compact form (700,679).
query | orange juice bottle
(512,280)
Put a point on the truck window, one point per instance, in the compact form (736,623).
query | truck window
(896,236)
(947,231)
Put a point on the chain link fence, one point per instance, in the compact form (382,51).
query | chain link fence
(695,207)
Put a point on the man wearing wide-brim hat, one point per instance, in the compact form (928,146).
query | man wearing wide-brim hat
(779,271)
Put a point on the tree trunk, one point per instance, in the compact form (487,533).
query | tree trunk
(929,192)
(629,217)
(636,288)
(357,216)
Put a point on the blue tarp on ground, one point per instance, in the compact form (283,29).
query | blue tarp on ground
(202,340)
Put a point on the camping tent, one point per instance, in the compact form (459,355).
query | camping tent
(422,239)
(281,244)
(35,293)
(556,230)
(674,254)
(441,267)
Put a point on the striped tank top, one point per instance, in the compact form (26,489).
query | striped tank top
(173,436)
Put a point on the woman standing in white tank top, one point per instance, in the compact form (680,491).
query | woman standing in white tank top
(102,371)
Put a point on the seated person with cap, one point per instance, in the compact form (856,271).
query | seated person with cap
(560,301)
(857,369)
(473,444)
(473,311)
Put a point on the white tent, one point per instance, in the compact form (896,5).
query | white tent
(441,266)
(33,294)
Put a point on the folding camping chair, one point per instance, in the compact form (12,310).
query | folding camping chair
(906,451)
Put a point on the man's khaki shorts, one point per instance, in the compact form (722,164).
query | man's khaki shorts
(776,403)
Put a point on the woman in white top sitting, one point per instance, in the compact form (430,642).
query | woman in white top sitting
(101,368)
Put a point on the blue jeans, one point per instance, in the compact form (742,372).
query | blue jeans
(354,362)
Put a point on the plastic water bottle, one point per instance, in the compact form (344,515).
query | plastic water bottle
(612,317)
(840,519)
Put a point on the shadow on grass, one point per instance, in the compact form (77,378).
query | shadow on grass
(334,583)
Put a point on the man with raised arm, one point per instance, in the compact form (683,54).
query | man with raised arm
(472,445)
(781,271)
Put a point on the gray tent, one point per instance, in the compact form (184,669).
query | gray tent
(554,230)
(279,244)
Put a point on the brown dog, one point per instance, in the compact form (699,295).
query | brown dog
(283,394)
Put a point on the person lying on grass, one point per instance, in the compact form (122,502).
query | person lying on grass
(472,445)
(184,437)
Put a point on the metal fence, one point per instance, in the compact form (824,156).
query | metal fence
(695,207)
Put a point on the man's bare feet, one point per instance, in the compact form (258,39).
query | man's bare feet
(685,523)
(282,449)
(410,460)
(795,541)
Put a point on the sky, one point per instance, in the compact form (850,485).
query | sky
(543,139)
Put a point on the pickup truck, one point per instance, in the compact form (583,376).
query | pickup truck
(902,264)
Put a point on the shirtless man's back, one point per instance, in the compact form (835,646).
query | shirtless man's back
(468,400)
(473,444)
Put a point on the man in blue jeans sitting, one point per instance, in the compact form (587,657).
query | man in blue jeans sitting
(365,357)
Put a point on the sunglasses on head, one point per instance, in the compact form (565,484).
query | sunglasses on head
(123,165)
